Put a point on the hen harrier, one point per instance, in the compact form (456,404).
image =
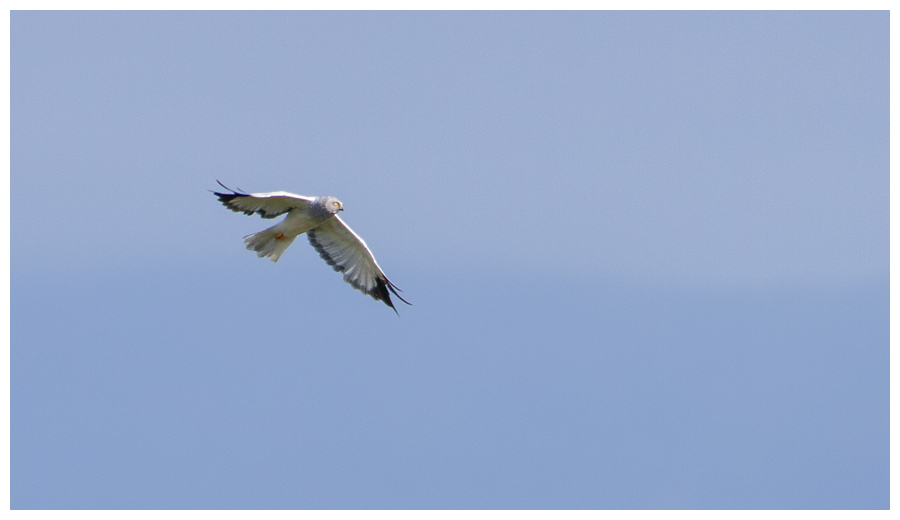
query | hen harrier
(336,243)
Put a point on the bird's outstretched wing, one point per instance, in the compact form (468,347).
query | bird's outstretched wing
(347,253)
(268,205)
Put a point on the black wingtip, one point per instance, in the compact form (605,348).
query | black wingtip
(226,198)
(386,286)
(234,193)
(393,288)
(382,291)
(386,298)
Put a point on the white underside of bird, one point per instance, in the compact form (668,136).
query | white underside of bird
(274,241)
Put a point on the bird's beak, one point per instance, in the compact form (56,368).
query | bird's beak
(341,208)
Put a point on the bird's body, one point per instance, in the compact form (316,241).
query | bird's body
(272,242)
(335,242)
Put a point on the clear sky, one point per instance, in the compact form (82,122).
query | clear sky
(647,252)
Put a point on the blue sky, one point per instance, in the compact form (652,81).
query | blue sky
(647,252)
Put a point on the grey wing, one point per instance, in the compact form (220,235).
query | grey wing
(268,205)
(347,253)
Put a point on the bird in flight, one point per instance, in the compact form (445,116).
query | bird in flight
(335,242)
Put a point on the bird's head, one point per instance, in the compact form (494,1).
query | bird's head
(332,205)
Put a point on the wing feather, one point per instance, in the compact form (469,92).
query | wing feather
(267,205)
(347,253)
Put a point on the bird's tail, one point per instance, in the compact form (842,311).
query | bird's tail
(268,243)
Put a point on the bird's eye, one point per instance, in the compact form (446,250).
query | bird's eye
(335,203)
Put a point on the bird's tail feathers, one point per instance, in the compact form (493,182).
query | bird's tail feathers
(269,243)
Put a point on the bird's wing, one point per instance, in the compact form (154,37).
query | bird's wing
(268,205)
(347,253)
